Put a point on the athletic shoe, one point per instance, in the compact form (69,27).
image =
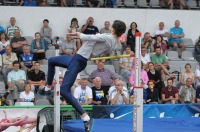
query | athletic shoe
(88,125)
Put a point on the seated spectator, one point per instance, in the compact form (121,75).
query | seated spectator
(38,48)
(17,42)
(176,37)
(1,30)
(36,78)
(44,3)
(179,3)
(145,58)
(93,3)
(46,31)
(89,28)
(152,93)
(159,42)
(187,74)
(7,62)
(187,93)
(160,63)
(197,76)
(100,95)
(16,80)
(83,93)
(156,77)
(147,42)
(131,35)
(126,64)
(27,95)
(198,94)
(106,75)
(69,46)
(143,77)
(27,59)
(106,29)
(113,88)
(119,96)
(11,28)
(74,27)
(162,32)
(4,41)
(170,93)
(28,3)
(197,50)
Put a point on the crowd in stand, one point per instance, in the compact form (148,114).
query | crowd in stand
(181,4)
(20,64)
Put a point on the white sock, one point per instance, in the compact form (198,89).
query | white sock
(86,118)
(46,89)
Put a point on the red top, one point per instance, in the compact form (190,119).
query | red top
(138,34)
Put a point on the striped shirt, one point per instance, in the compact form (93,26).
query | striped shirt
(10,30)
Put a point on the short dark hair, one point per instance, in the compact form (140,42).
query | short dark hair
(36,62)
(16,62)
(119,27)
(158,47)
(128,47)
(170,79)
(46,20)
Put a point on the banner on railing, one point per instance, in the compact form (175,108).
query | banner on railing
(18,120)
(149,111)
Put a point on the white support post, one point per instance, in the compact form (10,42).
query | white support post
(138,90)
(57,100)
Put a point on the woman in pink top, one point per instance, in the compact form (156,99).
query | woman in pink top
(144,77)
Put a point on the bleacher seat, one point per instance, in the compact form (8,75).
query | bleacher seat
(90,69)
(155,4)
(188,42)
(42,102)
(187,55)
(50,53)
(111,68)
(29,39)
(192,4)
(173,55)
(79,2)
(44,68)
(24,104)
(142,3)
(129,3)
(2,88)
(52,2)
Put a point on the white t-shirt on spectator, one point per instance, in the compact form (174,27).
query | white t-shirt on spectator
(145,59)
(83,95)
(158,31)
(197,74)
(27,98)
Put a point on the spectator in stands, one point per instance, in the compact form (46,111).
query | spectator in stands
(145,58)
(169,93)
(27,95)
(83,93)
(69,46)
(179,3)
(46,31)
(198,94)
(1,30)
(161,63)
(187,74)
(7,60)
(122,43)
(176,37)
(4,41)
(147,42)
(93,3)
(27,59)
(11,28)
(17,42)
(162,32)
(144,96)
(16,80)
(106,75)
(38,48)
(152,93)
(74,27)
(100,95)
(197,50)
(119,96)
(197,76)
(143,77)
(89,28)
(44,3)
(28,3)
(126,64)
(156,77)
(106,28)
(131,35)
(160,42)
(187,93)
(36,78)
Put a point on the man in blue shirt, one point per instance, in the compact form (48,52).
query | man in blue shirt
(1,30)
(176,35)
